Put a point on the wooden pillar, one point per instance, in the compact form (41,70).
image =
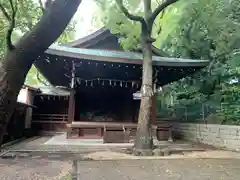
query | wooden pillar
(71,105)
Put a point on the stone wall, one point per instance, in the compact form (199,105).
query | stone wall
(220,136)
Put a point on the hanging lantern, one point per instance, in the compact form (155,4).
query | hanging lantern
(86,82)
(110,82)
(121,84)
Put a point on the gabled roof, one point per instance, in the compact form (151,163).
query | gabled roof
(103,35)
(92,53)
(92,39)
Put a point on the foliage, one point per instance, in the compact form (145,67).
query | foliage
(129,31)
(28,14)
(198,29)
(209,30)
(116,21)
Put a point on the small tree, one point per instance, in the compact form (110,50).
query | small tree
(144,139)
(20,56)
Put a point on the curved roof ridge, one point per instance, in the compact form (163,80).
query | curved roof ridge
(87,38)
(103,33)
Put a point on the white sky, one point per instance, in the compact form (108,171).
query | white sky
(84,17)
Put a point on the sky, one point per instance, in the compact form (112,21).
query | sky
(83,17)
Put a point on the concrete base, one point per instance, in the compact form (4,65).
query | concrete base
(62,140)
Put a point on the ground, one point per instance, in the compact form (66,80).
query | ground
(189,169)
(166,169)
(34,169)
(38,159)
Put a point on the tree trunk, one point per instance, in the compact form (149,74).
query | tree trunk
(18,61)
(144,139)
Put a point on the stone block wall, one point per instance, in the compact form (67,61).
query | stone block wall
(220,136)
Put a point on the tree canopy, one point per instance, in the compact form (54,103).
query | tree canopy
(210,30)
(27,15)
(198,29)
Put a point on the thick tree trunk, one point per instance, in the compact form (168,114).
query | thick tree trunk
(144,139)
(18,61)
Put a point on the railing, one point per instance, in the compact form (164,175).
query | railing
(50,118)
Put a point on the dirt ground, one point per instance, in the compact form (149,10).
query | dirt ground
(171,169)
(34,169)
(107,165)
(37,161)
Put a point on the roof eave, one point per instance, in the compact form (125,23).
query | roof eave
(123,57)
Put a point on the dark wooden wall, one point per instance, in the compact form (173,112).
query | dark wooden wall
(50,114)
(114,102)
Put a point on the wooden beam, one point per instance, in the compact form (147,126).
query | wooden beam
(71,105)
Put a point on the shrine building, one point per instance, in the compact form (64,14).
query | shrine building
(93,83)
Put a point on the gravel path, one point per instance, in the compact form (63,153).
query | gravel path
(53,167)
(177,169)
(33,169)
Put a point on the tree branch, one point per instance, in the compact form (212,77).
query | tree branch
(5,13)
(11,26)
(41,5)
(129,15)
(160,8)
(46,5)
